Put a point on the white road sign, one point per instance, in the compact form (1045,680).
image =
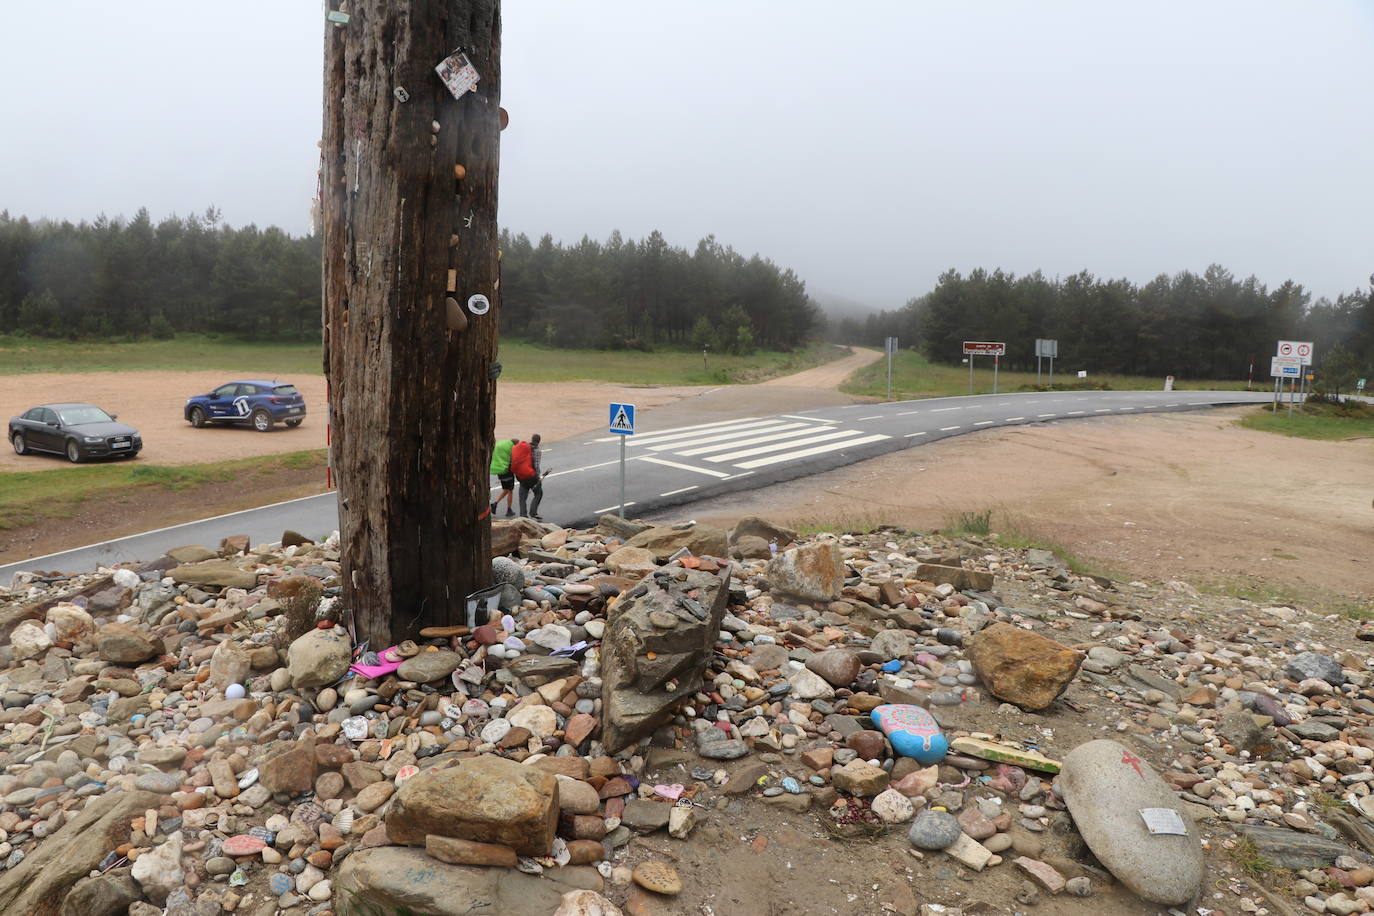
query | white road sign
(1302,349)
(1285,367)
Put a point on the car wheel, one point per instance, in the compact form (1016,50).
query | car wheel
(293,423)
(73,453)
(20,446)
(197,417)
(262,421)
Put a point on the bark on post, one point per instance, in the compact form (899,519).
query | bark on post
(412,402)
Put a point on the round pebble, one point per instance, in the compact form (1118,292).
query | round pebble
(659,877)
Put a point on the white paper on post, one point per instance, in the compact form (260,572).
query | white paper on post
(1164,821)
(458,74)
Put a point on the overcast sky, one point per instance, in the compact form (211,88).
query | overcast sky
(867,145)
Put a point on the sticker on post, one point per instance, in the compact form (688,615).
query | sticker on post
(338,17)
(1164,821)
(458,74)
(478,304)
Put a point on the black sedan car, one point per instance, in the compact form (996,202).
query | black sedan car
(79,431)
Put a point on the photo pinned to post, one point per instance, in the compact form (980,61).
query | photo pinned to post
(458,73)
(478,304)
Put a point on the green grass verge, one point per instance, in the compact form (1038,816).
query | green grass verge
(30,496)
(521,362)
(20,355)
(914,376)
(1006,530)
(1315,420)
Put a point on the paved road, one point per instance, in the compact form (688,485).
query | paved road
(675,466)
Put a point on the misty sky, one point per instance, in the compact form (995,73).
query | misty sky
(867,145)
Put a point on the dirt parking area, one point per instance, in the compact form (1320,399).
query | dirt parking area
(153,403)
(1185,495)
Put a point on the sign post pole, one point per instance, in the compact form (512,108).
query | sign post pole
(996,363)
(891,351)
(622,424)
(970,375)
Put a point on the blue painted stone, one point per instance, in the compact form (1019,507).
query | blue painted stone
(791,786)
(893,666)
(280,883)
(912,731)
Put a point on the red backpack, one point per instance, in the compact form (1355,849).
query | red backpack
(520,464)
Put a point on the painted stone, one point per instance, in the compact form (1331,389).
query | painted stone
(1111,793)
(912,731)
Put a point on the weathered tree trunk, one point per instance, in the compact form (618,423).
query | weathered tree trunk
(412,402)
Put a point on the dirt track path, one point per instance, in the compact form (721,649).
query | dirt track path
(829,375)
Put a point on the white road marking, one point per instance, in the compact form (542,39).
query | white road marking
(678,436)
(1045,416)
(1076,413)
(680,429)
(683,490)
(985,422)
(907,413)
(1148,406)
(686,467)
(744,474)
(725,437)
(777,447)
(943,409)
(945,429)
(1198,403)
(589,467)
(817,450)
(722,446)
(1126,408)
(810,419)
(1103,410)
(1012,419)
(876,416)
(909,435)
(609,508)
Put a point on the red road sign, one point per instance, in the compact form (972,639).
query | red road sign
(984,348)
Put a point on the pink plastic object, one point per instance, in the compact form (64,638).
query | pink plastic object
(386,666)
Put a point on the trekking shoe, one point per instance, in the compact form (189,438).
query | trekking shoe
(509,513)
(537,518)
(493,507)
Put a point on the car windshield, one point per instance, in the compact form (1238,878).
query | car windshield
(75,416)
(285,389)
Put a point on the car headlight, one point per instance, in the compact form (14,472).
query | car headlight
(94,438)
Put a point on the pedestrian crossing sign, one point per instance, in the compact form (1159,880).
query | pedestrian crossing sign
(623,419)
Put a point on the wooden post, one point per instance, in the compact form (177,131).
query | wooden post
(413,406)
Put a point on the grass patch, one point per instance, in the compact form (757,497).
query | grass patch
(914,376)
(1314,420)
(1265,594)
(27,497)
(840,524)
(1246,855)
(1006,530)
(1326,803)
(21,355)
(520,361)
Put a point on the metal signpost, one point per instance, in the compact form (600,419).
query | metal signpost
(1045,347)
(995,349)
(1284,367)
(622,424)
(891,347)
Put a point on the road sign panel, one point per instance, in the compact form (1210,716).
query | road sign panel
(1302,349)
(623,419)
(1285,367)
(984,348)
(1046,347)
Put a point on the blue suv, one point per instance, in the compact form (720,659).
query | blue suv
(251,401)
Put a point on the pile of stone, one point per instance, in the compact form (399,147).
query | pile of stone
(165,747)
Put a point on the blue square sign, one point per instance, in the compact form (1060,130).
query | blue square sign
(623,419)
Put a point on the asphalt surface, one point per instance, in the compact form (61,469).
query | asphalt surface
(677,465)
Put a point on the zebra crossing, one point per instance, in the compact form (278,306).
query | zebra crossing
(724,448)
